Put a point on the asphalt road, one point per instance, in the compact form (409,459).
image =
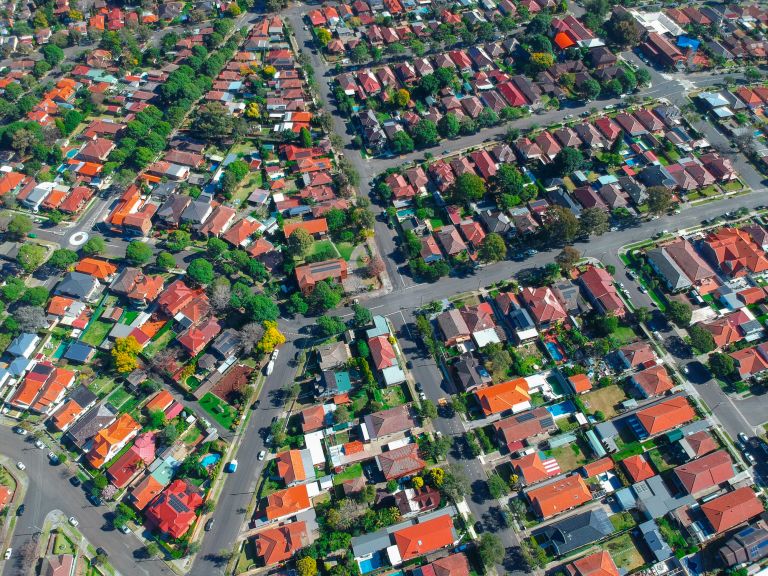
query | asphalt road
(239,487)
(49,490)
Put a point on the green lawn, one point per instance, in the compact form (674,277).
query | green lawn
(96,333)
(622,521)
(624,335)
(158,344)
(733,185)
(62,545)
(119,397)
(624,552)
(354,471)
(219,410)
(345,249)
(436,223)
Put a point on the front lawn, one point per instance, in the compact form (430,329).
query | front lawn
(732,185)
(96,333)
(345,249)
(624,335)
(219,410)
(622,521)
(62,545)
(354,471)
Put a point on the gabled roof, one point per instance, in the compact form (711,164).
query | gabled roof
(559,496)
(504,396)
(114,435)
(706,472)
(100,269)
(401,461)
(279,544)
(666,415)
(638,467)
(382,352)
(287,502)
(391,421)
(425,537)
(654,381)
(290,466)
(597,564)
(731,509)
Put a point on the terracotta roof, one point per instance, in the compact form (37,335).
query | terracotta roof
(290,466)
(100,269)
(173,511)
(706,472)
(504,396)
(580,383)
(287,502)
(598,467)
(401,461)
(654,380)
(312,418)
(279,544)
(382,352)
(731,509)
(159,401)
(559,496)
(638,468)
(425,537)
(316,226)
(597,564)
(391,421)
(453,565)
(145,491)
(666,415)
(701,443)
(533,469)
(110,439)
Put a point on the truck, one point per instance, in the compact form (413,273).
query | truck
(232,467)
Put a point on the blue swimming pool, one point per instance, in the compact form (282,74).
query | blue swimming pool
(629,162)
(373,563)
(404,213)
(210,460)
(562,409)
(554,350)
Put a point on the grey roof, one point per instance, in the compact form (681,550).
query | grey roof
(173,207)
(83,396)
(77,285)
(575,531)
(380,327)
(655,542)
(20,344)
(653,497)
(78,352)
(90,424)
(333,355)
(197,212)
(673,275)
(227,343)
(466,371)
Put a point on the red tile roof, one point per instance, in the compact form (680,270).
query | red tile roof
(666,415)
(504,396)
(732,509)
(287,502)
(638,468)
(173,511)
(276,545)
(559,496)
(425,537)
(382,352)
(597,564)
(705,472)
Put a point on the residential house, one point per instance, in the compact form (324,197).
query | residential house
(111,439)
(391,422)
(705,473)
(507,396)
(662,416)
(525,427)
(173,511)
(653,381)
(308,275)
(732,509)
(399,462)
(601,291)
(276,545)
(560,496)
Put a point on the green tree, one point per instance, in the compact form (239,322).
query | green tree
(62,258)
(425,133)
(200,271)
(36,296)
(306,137)
(622,29)
(490,549)
(449,126)
(567,160)
(138,253)
(468,188)
(590,89)
(324,297)
(701,339)
(510,180)
(402,143)
(300,242)
(165,261)
(643,77)
(561,225)
(594,221)
(428,409)
(362,316)
(178,240)
(568,258)
(31,257)
(215,247)
(722,366)
(156,419)
(493,248)
(497,487)
(680,313)
(94,245)
(19,226)
(642,314)
(330,325)
(297,304)
(261,308)
(659,199)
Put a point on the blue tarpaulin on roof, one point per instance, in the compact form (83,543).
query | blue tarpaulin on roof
(685,42)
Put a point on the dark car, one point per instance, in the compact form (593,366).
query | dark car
(75,481)
(20,510)
(209,524)
(101,552)
(93,499)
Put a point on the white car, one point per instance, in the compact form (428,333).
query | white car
(21,466)
(275,352)
(39,444)
(8,553)
(270,367)
(262,455)
(73,521)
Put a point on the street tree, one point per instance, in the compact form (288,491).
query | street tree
(594,221)
(722,366)
(562,225)
(568,258)
(138,253)
(490,549)
(493,248)
(680,313)
(659,199)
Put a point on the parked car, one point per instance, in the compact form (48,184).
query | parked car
(262,455)
(39,444)
(8,553)
(74,521)
(209,524)
(19,430)
(53,458)
(743,439)
(232,467)
(20,510)
(75,481)
(21,466)
(124,529)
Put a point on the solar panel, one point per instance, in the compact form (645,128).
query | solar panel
(547,421)
(177,504)
(525,417)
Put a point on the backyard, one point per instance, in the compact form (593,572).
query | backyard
(354,471)
(569,456)
(624,552)
(219,410)
(96,333)
(605,400)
